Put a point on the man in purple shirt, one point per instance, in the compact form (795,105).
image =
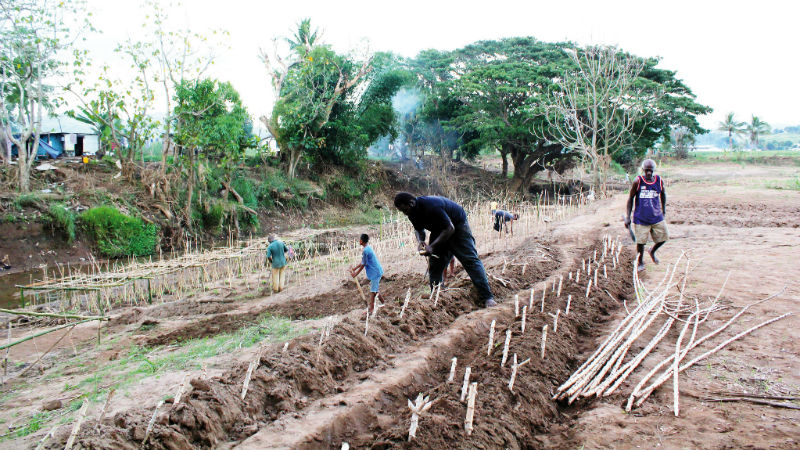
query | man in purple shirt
(650,200)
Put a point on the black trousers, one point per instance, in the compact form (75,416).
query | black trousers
(461,245)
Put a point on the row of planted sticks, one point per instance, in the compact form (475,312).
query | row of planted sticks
(98,288)
(469,390)
(664,308)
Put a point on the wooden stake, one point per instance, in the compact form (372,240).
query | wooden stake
(544,291)
(465,386)
(77,426)
(422,404)
(530,302)
(405,302)
(253,364)
(516,305)
(179,394)
(473,391)
(452,370)
(544,340)
(524,315)
(514,369)
(555,321)
(438,290)
(105,408)
(588,288)
(505,348)
(43,440)
(560,281)
(569,300)
(151,423)
(605,272)
(577,277)
(491,339)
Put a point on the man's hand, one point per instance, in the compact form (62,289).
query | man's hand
(627,222)
(425,250)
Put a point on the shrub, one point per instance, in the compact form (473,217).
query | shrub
(117,234)
(212,216)
(245,188)
(347,189)
(23,200)
(62,220)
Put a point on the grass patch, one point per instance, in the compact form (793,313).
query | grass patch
(364,215)
(61,220)
(117,234)
(790,185)
(769,157)
(143,362)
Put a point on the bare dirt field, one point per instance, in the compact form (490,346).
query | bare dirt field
(307,389)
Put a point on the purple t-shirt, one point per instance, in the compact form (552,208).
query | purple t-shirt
(648,201)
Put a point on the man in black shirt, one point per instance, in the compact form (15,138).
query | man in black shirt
(450,235)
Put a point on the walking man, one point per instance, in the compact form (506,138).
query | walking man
(373,270)
(650,201)
(276,254)
(450,235)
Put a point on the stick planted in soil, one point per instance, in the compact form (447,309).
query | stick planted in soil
(452,370)
(491,339)
(505,348)
(473,391)
(465,386)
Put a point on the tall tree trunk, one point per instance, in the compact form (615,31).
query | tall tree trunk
(504,155)
(190,193)
(294,159)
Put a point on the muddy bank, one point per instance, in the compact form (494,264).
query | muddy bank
(213,412)
(503,418)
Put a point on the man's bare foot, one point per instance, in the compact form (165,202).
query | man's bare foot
(653,256)
(640,268)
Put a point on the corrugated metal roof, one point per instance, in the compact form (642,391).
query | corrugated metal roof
(66,125)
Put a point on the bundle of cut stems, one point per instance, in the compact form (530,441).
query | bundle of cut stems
(658,309)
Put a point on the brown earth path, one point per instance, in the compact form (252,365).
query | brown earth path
(733,221)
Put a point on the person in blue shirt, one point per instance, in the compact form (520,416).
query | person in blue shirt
(504,219)
(276,254)
(372,268)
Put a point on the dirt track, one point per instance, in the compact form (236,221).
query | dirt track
(355,388)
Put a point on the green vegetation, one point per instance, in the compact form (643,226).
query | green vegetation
(779,157)
(30,200)
(61,220)
(117,234)
(142,362)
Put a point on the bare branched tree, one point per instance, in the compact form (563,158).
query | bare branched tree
(32,37)
(596,106)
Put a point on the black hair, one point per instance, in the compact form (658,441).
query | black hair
(403,198)
(365,238)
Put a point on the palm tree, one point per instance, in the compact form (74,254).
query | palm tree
(304,38)
(756,128)
(731,126)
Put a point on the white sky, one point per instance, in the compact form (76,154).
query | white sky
(735,56)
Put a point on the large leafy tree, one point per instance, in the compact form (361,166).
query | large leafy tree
(731,126)
(329,107)
(502,86)
(211,125)
(756,128)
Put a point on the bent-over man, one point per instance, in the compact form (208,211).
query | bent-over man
(649,198)
(450,235)
(504,219)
